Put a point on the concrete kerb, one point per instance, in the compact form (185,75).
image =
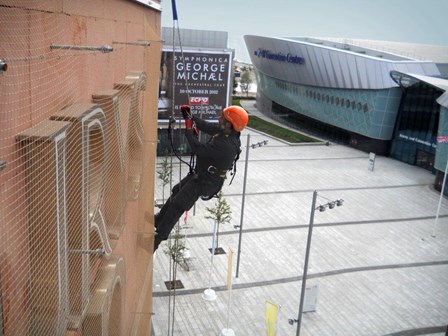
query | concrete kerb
(252,110)
(320,143)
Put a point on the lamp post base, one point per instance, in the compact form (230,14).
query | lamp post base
(227,332)
(209,295)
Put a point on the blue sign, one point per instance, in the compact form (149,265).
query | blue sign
(279,56)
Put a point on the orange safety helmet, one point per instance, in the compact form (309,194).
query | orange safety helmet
(237,116)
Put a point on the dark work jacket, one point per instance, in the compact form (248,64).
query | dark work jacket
(219,152)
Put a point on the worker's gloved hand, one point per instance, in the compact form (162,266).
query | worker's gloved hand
(195,130)
(186,113)
(189,124)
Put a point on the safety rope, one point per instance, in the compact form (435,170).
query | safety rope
(173,263)
(187,86)
(191,164)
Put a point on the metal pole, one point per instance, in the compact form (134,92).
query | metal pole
(440,201)
(305,266)
(104,48)
(142,43)
(213,253)
(229,285)
(242,207)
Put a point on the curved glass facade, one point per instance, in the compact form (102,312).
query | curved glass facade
(442,140)
(371,113)
(415,134)
(441,161)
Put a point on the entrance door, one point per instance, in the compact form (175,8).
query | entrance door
(424,159)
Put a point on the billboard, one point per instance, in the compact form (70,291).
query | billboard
(199,78)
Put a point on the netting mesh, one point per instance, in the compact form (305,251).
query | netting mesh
(77,129)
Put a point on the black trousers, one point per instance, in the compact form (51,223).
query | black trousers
(184,195)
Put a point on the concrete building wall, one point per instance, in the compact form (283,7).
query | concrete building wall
(78,141)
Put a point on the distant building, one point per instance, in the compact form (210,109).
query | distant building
(193,38)
(383,97)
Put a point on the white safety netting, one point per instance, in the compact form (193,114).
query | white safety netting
(76,169)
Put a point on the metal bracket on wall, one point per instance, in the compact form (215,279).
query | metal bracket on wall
(3,66)
(2,164)
(142,43)
(104,48)
(99,251)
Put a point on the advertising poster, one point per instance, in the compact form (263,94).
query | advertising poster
(201,79)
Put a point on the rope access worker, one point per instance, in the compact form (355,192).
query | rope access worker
(214,159)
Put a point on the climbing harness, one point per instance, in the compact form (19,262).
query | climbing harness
(173,149)
(233,168)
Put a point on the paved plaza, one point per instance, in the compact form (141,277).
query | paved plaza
(376,264)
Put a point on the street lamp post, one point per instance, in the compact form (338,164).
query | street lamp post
(243,199)
(305,266)
(440,201)
(321,208)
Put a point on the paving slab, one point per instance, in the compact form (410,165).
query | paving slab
(378,269)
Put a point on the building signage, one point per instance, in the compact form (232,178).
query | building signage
(442,139)
(417,140)
(279,56)
(201,79)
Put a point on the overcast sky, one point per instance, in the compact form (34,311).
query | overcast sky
(419,21)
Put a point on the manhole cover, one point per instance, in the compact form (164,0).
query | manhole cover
(177,284)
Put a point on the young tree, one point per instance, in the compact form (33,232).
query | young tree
(176,250)
(245,82)
(221,213)
(164,174)
(235,85)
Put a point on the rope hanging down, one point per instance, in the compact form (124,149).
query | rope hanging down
(172,120)
(191,164)
(173,5)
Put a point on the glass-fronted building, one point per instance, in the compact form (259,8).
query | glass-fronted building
(354,91)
